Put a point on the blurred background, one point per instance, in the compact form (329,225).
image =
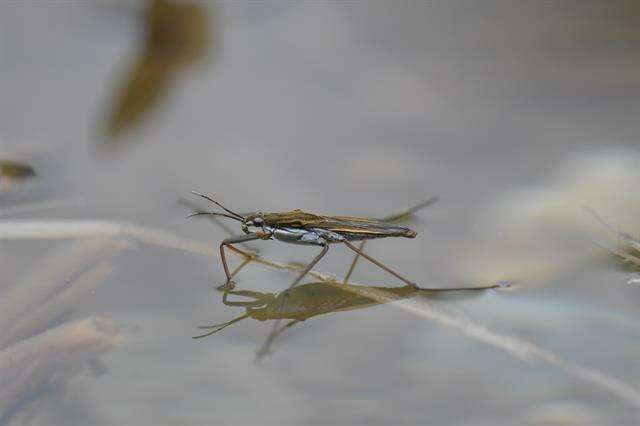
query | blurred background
(518,115)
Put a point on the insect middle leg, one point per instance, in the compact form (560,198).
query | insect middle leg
(353,263)
(275,329)
(260,299)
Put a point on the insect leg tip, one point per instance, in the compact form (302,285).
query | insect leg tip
(504,284)
(230,285)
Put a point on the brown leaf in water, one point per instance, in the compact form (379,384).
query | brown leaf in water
(177,36)
(15,170)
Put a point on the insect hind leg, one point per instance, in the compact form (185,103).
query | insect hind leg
(381,265)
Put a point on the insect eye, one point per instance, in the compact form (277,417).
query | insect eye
(258,221)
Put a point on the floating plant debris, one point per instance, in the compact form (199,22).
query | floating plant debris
(14,170)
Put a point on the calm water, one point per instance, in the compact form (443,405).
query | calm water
(516,114)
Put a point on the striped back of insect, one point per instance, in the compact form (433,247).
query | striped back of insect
(293,219)
(353,227)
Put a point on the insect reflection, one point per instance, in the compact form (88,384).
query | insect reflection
(310,300)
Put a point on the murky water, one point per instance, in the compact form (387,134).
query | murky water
(516,114)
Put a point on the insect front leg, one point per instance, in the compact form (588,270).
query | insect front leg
(235,240)
(260,299)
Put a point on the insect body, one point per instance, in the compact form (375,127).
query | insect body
(298,227)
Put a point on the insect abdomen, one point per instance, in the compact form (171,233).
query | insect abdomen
(370,232)
(409,233)
(358,236)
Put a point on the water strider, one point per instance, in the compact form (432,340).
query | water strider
(302,228)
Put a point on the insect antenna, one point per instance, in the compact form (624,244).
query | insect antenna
(218,327)
(214,214)
(206,197)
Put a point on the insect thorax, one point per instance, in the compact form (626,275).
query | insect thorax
(314,237)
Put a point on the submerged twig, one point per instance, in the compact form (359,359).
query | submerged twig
(51,356)
(45,287)
(35,320)
(519,348)
(63,229)
(31,208)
